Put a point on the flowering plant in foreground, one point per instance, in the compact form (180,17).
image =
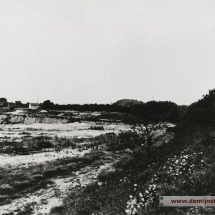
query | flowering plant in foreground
(174,168)
(140,201)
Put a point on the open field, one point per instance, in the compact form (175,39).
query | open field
(42,162)
(64,163)
(45,158)
(44,185)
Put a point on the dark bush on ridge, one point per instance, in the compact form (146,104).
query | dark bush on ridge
(49,173)
(37,177)
(22,184)
(97,128)
(202,112)
(106,175)
(6,189)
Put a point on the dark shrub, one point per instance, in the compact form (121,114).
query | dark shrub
(71,166)
(45,144)
(49,173)
(106,175)
(6,189)
(97,128)
(37,177)
(22,184)
(4,197)
(57,210)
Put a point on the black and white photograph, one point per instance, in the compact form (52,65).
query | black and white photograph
(107,107)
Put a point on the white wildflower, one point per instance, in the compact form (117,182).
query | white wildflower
(127,211)
(134,211)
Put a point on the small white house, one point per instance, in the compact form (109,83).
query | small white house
(33,106)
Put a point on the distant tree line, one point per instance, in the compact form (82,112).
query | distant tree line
(153,110)
(157,111)
(202,112)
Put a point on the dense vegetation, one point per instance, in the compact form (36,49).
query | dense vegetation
(183,165)
(153,110)
(127,102)
(202,112)
(181,162)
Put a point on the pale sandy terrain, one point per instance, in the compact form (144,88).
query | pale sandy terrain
(78,130)
(45,199)
(17,161)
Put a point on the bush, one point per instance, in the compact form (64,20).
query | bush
(49,173)
(57,210)
(97,128)
(22,184)
(54,172)
(37,177)
(27,210)
(60,170)
(106,175)
(36,172)
(45,144)
(6,189)
(71,166)
(24,133)
(4,197)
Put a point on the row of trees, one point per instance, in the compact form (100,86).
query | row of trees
(147,117)
(153,110)
(202,112)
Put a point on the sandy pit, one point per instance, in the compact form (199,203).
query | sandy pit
(70,130)
(44,200)
(51,196)
(16,161)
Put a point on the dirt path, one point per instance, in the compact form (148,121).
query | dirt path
(44,199)
(16,161)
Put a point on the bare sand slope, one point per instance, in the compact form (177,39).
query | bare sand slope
(44,199)
(16,161)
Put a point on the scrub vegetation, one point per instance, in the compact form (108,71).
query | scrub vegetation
(132,159)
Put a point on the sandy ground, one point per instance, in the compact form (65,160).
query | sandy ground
(64,127)
(45,199)
(17,161)
(70,130)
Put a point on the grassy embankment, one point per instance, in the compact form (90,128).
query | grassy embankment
(183,166)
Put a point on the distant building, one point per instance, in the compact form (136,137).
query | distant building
(3,102)
(18,104)
(33,106)
(25,106)
(11,105)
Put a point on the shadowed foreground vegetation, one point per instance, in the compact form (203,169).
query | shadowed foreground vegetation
(183,166)
(181,163)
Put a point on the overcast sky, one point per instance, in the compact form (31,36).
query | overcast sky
(100,51)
